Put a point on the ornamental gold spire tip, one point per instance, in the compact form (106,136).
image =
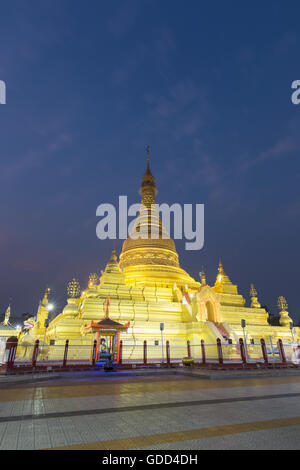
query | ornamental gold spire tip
(203,277)
(253,291)
(7,316)
(93,279)
(282,304)
(45,298)
(220,266)
(73,289)
(254,299)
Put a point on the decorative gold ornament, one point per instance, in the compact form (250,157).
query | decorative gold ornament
(73,289)
(7,316)
(45,298)
(203,277)
(93,279)
(282,304)
(253,295)
(253,291)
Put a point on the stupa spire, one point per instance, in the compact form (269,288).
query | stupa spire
(203,277)
(45,298)
(112,273)
(113,262)
(222,277)
(148,231)
(148,187)
(149,254)
(254,297)
(285,319)
(221,270)
(7,316)
(223,283)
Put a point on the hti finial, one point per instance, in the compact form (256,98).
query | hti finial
(282,304)
(7,316)
(203,277)
(148,154)
(253,291)
(46,294)
(73,289)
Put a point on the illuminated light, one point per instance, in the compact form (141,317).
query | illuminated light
(50,307)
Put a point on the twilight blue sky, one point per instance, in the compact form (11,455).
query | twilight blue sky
(206,84)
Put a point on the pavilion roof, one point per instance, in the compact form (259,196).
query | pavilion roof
(104,324)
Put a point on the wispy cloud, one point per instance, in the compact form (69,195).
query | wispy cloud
(36,156)
(128,65)
(282,148)
(124,18)
(180,111)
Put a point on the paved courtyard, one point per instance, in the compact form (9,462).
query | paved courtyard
(153,412)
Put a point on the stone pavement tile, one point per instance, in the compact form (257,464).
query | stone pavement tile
(17,409)
(26,436)
(271,438)
(129,386)
(115,433)
(98,427)
(274,439)
(42,438)
(64,404)
(28,407)
(130,425)
(85,429)
(11,435)
(3,427)
(57,435)
(6,408)
(38,407)
(70,431)
(165,438)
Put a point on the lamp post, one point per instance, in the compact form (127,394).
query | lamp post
(272,349)
(46,324)
(162,327)
(243,324)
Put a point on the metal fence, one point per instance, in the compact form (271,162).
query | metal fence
(53,354)
(210,353)
(40,354)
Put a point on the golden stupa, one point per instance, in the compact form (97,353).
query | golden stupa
(148,287)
